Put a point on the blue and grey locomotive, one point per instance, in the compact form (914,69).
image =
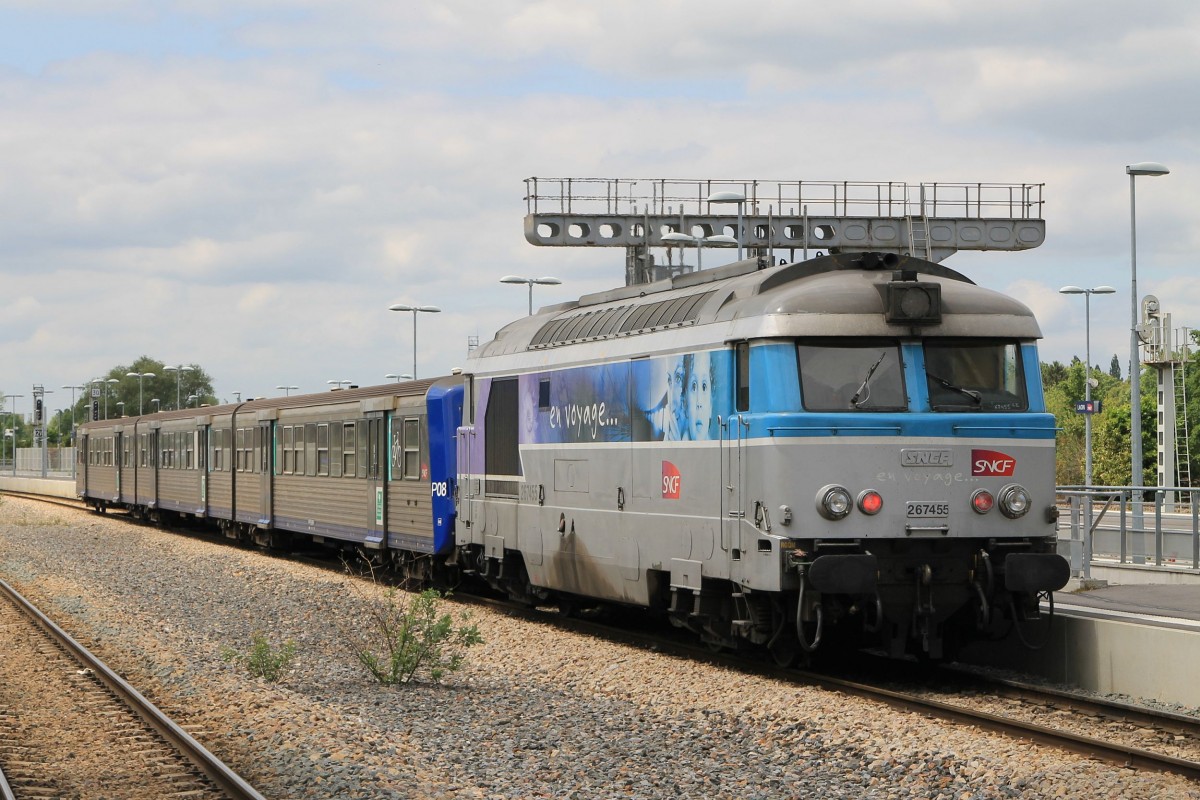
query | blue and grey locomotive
(852,447)
(770,454)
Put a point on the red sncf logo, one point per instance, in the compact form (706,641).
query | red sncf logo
(671,481)
(992,463)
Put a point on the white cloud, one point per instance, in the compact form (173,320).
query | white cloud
(260,192)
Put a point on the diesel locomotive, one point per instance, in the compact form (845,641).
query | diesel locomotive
(853,448)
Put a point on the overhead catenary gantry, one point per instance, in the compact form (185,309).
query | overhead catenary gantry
(788,219)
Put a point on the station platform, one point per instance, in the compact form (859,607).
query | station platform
(1164,605)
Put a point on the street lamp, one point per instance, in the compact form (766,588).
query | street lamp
(338,384)
(107,383)
(1087,382)
(287,390)
(403,376)
(1152,169)
(178,369)
(732,197)
(157,404)
(416,310)
(671,237)
(531,282)
(120,408)
(73,387)
(192,397)
(139,376)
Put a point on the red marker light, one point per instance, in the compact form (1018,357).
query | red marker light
(982,501)
(870,502)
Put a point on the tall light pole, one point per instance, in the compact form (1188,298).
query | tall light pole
(178,369)
(416,310)
(120,408)
(157,404)
(139,376)
(106,384)
(1087,363)
(287,390)
(732,197)
(1152,169)
(403,376)
(531,281)
(339,384)
(73,387)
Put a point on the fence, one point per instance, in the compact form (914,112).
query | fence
(1107,522)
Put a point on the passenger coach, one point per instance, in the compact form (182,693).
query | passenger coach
(355,467)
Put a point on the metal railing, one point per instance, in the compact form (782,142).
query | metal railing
(1157,526)
(655,196)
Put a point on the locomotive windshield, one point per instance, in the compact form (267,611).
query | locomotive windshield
(851,375)
(974,375)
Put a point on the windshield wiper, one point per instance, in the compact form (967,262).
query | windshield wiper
(863,388)
(945,384)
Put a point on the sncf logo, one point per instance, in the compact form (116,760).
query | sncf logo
(671,481)
(992,463)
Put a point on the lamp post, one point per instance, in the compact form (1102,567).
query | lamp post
(1152,169)
(732,197)
(416,310)
(73,387)
(338,384)
(178,369)
(531,282)
(139,376)
(671,237)
(157,404)
(107,384)
(287,390)
(192,397)
(403,376)
(1087,382)
(120,408)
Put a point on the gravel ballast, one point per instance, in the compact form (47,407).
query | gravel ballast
(535,712)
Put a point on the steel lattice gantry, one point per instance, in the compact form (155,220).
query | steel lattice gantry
(786,218)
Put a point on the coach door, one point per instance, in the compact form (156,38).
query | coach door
(263,447)
(376,461)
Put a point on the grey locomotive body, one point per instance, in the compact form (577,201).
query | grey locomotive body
(851,445)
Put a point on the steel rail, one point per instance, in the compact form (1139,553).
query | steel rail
(1111,752)
(225,779)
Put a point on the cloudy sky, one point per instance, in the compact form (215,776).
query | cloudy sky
(247,186)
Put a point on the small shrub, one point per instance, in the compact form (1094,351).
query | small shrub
(403,636)
(264,659)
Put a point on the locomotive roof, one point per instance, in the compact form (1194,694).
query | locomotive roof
(836,295)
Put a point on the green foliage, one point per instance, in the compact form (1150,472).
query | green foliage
(404,635)
(1114,367)
(264,660)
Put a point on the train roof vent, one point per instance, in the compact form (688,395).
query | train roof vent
(626,319)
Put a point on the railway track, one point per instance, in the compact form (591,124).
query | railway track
(85,723)
(1118,733)
(1048,716)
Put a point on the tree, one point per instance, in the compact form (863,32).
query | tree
(1114,367)
(131,390)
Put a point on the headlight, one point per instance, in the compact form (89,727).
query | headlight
(1013,501)
(834,502)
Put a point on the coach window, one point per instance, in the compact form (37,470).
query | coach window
(412,449)
(323,448)
(127,444)
(362,448)
(298,459)
(288,451)
(348,450)
(335,450)
(310,448)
